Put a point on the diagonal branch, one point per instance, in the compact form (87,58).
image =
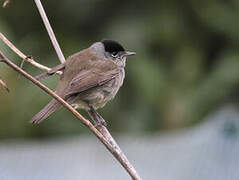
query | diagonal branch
(5,3)
(23,56)
(50,31)
(4,85)
(102,133)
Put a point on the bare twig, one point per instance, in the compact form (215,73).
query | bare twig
(5,3)
(123,159)
(104,135)
(50,31)
(6,41)
(23,56)
(4,85)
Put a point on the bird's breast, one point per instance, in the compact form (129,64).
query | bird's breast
(110,89)
(100,96)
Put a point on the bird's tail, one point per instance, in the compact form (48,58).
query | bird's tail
(51,107)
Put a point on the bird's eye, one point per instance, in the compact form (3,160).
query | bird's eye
(114,54)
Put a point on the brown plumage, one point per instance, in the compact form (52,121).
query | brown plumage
(90,79)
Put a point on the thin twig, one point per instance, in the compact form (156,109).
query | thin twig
(17,51)
(106,139)
(50,31)
(5,3)
(3,84)
(123,159)
(23,56)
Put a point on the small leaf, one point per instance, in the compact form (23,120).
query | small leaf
(4,85)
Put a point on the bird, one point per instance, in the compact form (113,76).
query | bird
(90,78)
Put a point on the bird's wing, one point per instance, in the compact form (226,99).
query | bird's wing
(97,76)
(51,72)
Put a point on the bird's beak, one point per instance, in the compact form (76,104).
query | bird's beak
(128,53)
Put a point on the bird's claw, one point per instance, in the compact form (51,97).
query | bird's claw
(100,123)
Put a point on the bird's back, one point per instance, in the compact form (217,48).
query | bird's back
(84,62)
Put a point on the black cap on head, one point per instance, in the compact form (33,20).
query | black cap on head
(112,46)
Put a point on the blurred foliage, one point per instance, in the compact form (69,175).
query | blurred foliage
(187,62)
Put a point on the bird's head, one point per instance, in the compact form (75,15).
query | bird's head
(112,50)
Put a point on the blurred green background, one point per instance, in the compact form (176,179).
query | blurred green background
(187,62)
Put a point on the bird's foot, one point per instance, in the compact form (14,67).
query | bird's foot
(96,117)
(100,122)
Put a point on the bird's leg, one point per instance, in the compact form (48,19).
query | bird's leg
(98,120)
